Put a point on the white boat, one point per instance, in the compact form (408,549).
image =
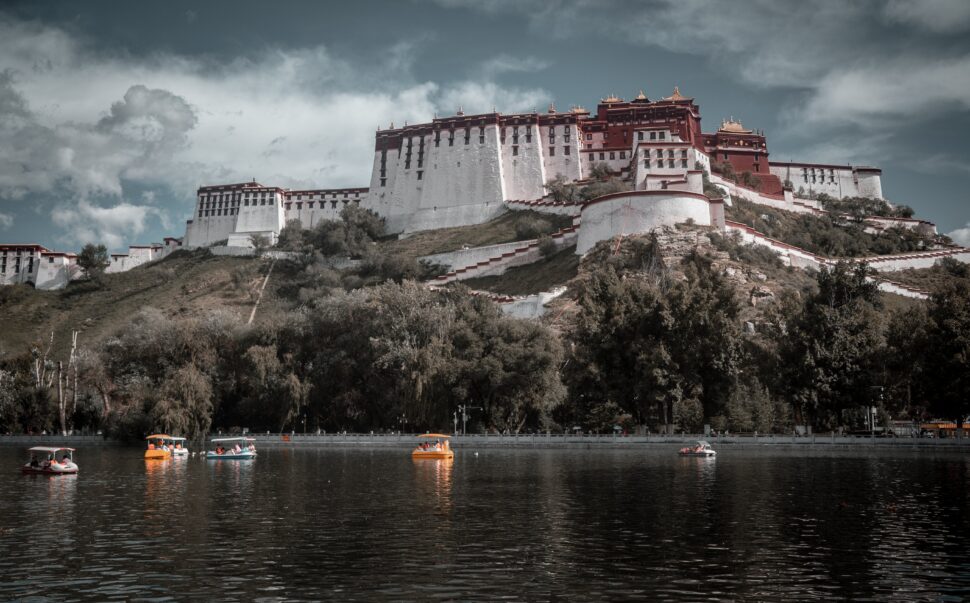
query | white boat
(178,447)
(701,448)
(232,449)
(57,460)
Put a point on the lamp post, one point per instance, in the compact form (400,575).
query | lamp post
(463,409)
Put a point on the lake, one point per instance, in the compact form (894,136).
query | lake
(523,525)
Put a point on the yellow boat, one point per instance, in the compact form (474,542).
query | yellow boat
(439,449)
(159,447)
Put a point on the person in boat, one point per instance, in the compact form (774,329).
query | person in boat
(33,461)
(151,446)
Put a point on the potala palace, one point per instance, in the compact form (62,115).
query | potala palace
(468,169)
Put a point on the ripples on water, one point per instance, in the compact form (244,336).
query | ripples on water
(354,524)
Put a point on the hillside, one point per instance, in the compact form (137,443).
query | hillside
(183,284)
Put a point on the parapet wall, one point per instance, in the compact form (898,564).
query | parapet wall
(637,212)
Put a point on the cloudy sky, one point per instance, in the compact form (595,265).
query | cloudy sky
(112,114)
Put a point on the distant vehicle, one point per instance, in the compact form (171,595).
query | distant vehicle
(58,461)
(701,448)
(439,449)
(232,449)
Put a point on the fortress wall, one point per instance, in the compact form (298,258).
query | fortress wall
(455,185)
(834,180)
(555,160)
(525,173)
(56,274)
(790,255)
(206,230)
(638,212)
(267,218)
(915,260)
(380,197)
(546,207)
(891,287)
(869,183)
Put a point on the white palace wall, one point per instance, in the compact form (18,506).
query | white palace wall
(525,171)
(638,212)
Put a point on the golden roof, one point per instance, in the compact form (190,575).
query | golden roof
(612,98)
(641,96)
(676,95)
(552,107)
(733,126)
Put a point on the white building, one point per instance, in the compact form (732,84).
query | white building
(37,265)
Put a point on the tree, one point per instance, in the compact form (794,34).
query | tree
(259,242)
(93,259)
(562,190)
(600,171)
(184,405)
(949,353)
(830,346)
(291,236)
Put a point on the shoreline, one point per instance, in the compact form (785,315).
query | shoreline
(542,441)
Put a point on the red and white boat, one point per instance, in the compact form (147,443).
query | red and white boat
(701,448)
(50,460)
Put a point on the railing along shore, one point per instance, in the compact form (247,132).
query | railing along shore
(543,440)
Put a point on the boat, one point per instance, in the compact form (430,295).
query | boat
(232,449)
(57,460)
(178,447)
(701,448)
(159,447)
(439,449)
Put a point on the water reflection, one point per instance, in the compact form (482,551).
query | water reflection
(354,524)
(434,481)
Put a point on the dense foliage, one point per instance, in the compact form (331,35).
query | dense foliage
(647,346)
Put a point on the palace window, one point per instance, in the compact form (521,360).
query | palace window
(515,150)
(663,136)
(420,174)
(288,207)
(683,163)
(310,204)
(437,138)
(552,151)
(566,150)
(646,164)
(670,163)
(683,153)
(612,155)
(622,154)
(639,135)
(589,137)
(725,156)
(757,167)
(528,136)
(660,163)
(602,156)
(565,136)
(468,135)
(653,136)
(670,152)
(660,152)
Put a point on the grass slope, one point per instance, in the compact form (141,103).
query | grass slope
(184,284)
(540,276)
(504,229)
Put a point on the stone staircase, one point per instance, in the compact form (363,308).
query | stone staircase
(527,253)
